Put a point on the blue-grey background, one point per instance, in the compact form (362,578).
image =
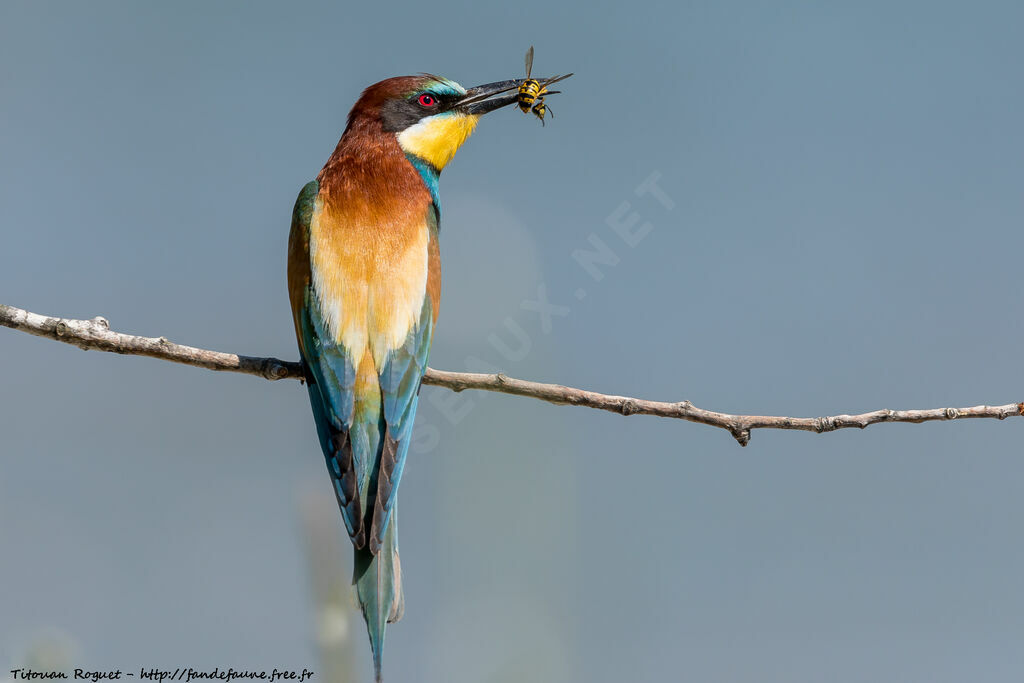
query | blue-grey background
(846,236)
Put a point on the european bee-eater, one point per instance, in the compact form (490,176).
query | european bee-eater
(364,278)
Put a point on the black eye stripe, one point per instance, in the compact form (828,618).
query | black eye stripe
(399,114)
(440,99)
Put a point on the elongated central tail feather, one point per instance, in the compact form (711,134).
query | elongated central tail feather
(378,580)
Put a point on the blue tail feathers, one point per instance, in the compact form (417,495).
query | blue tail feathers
(378,581)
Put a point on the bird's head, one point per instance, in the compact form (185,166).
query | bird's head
(430,116)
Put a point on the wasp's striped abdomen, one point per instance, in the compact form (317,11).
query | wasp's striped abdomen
(529,91)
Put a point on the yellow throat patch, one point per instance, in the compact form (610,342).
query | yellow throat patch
(435,139)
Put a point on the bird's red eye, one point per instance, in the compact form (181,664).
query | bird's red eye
(427,100)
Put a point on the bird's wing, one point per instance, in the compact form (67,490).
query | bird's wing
(330,376)
(400,379)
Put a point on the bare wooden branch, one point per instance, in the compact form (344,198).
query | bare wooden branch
(96,334)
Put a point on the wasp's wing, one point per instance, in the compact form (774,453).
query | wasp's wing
(529,62)
(553,80)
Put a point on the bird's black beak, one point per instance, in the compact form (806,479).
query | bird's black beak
(482,98)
